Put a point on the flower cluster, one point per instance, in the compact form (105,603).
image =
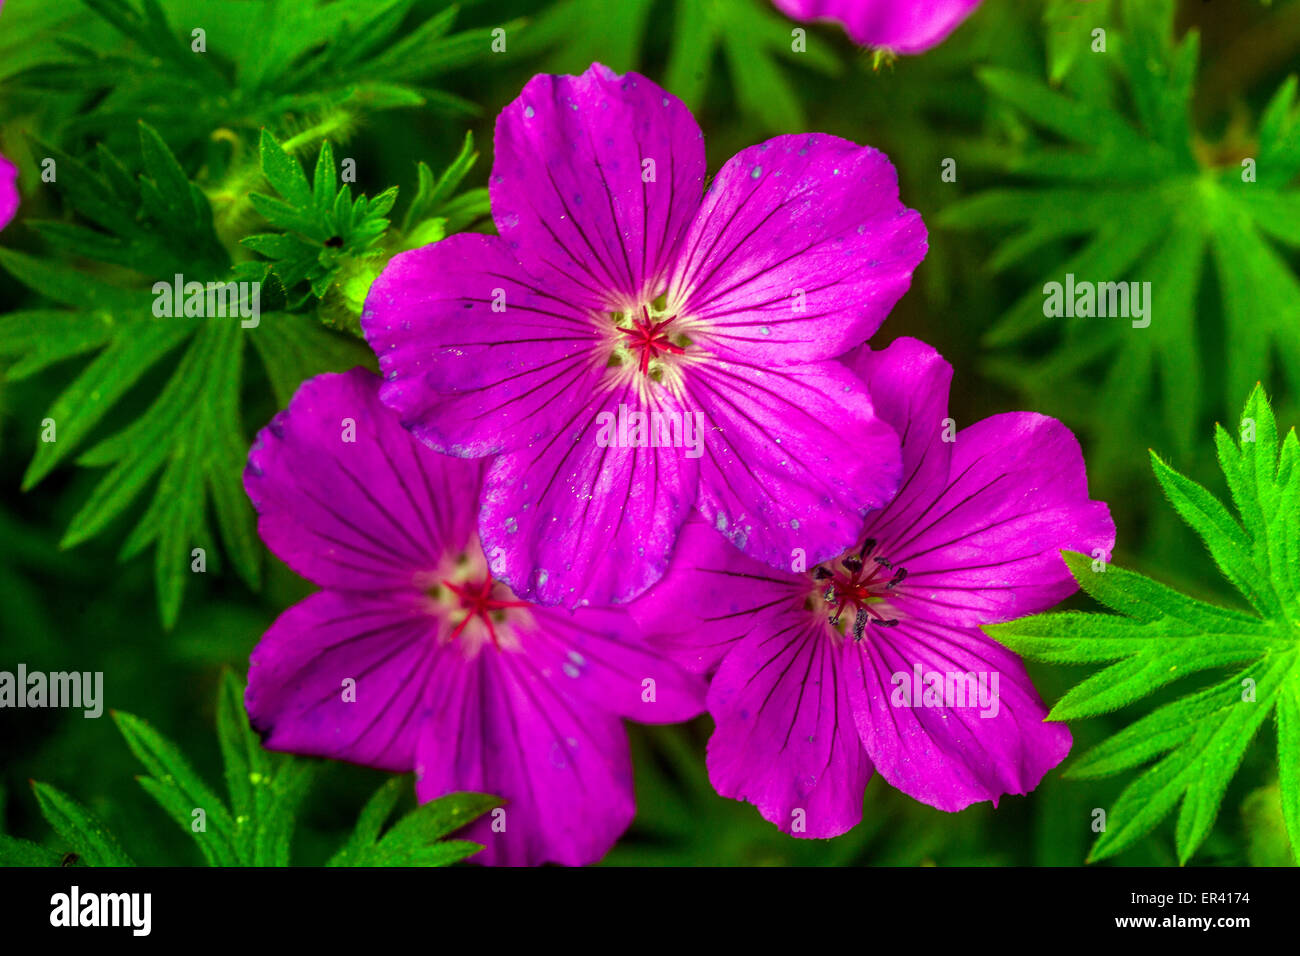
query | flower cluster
(631,458)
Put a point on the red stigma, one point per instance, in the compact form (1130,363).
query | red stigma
(651,337)
(478,602)
(855,583)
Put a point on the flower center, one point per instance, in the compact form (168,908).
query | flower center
(649,337)
(484,601)
(859,581)
(645,336)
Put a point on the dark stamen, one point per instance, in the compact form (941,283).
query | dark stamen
(897,579)
(820,574)
(867,547)
(859,624)
(852,565)
(885,621)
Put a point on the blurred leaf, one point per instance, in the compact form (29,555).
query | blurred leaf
(16,852)
(257,63)
(1140,199)
(190,441)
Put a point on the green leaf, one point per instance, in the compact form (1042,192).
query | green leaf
(85,834)
(265,789)
(416,839)
(1160,636)
(750,36)
(327,235)
(16,852)
(1288,743)
(241,751)
(187,445)
(181,792)
(257,827)
(1141,200)
(285,174)
(268,64)
(438,199)
(370,822)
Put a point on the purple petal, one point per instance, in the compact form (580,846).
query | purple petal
(347,498)
(597,658)
(567,521)
(711,597)
(950,756)
(987,548)
(784,739)
(477,354)
(8,191)
(298,695)
(904,26)
(793,457)
(909,383)
(799,252)
(501,727)
(597,176)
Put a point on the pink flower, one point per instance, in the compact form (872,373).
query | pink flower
(616,289)
(876,660)
(901,26)
(8,191)
(412,657)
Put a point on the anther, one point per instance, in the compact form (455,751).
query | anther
(897,579)
(885,621)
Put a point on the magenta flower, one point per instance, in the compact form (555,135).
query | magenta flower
(414,658)
(629,351)
(900,26)
(8,191)
(876,659)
